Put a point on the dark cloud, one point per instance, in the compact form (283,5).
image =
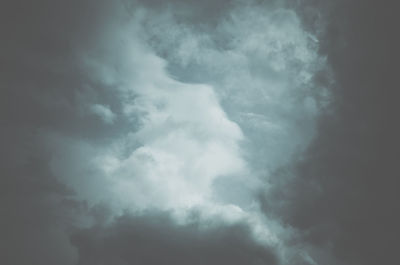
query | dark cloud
(45,90)
(43,83)
(35,207)
(40,84)
(343,193)
(154,238)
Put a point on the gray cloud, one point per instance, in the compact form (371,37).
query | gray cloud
(35,207)
(153,150)
(39,92)
(154,238)
(122,104)
(342,194)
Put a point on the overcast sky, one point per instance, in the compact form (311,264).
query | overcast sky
(226,132)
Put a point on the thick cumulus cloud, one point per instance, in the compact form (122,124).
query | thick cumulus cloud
(180,140)
(257,88)
(177,115)
(261,63)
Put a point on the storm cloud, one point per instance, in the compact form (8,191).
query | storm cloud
(198,132)
(153,238)
(342,193)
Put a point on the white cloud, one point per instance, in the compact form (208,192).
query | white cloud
(260,61)
(255,105)
(186,139)
(103,112)
(187,142)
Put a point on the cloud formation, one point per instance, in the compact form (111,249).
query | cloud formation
(238,132)
(154,238)
(342,193)
(114,117)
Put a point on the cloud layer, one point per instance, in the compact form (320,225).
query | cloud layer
(146,110)
(187,132)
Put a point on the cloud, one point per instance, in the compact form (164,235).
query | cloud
(256,67)
(191,139)
(341,194)
(193,107)
(35,207)
(153,238)
(183,143)
(39,83)
(103,112)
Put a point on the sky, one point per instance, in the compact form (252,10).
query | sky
(228,132)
